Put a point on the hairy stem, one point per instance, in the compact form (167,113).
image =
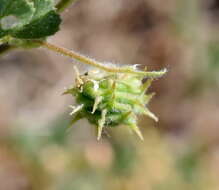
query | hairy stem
(63,4)
(83,59)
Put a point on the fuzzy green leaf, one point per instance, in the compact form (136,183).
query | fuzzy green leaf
(45,26)
(34,18)
(22,9)
(42,7)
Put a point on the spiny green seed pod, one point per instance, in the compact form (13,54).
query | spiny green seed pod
(109,99)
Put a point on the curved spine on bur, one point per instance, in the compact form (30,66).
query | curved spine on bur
(108,99)
(101,124)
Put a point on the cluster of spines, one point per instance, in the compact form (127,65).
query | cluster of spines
(111,99)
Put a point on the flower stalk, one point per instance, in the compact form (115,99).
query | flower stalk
(86,60)
(63,4)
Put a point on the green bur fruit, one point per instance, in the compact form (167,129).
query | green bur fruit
(111,99)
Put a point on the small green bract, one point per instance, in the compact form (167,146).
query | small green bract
(111,99)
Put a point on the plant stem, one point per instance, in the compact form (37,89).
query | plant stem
(92,62)
(63,4)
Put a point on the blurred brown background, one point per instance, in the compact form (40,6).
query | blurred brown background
(179,152)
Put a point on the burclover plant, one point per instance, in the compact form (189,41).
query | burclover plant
(106,96)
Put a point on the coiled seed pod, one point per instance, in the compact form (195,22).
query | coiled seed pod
(111,99)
